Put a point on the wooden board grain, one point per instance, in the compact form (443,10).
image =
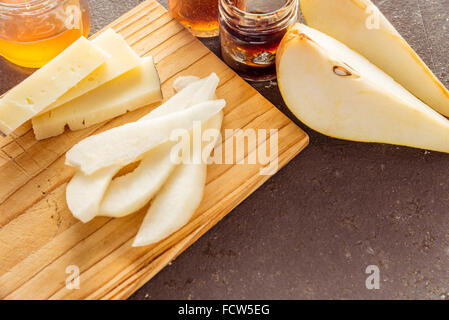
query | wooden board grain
(39,238)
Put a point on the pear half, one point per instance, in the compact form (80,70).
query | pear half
(361,26)
(337,92)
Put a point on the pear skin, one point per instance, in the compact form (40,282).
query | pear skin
(336,91)
(361,26)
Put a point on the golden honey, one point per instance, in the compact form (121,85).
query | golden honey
(32,32)
(199,16)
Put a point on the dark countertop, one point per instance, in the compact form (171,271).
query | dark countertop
(311,231)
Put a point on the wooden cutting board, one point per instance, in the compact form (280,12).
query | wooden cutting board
(39,238)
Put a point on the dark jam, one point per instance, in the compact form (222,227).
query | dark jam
(251,50)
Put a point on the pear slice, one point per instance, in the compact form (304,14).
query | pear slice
(126,144)
(361,26)
(337,92)
(182,82)
(129,193)
(174,205)
(179,198)
(84,193)
(199,91)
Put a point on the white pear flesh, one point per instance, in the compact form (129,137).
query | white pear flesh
(181,195)
(337,92)
(130,192)
(361,26)
(204,88)
(125,144)
(174,205)
(84,193)
(182,82)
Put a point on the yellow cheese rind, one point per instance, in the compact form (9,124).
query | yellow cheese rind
(49,83)
(136,88)
(122,58)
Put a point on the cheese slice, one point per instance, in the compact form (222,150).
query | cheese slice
(49,83)
(134,89)
(122,59)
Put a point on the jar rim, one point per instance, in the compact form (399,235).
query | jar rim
(250,23)
(29,5)
(232,6)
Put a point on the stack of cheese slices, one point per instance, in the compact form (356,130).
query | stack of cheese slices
(88,83)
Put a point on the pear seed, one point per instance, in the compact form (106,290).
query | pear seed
(343,72)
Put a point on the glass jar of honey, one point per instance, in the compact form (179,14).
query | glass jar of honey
(250,34)
(32,32)
(199,16)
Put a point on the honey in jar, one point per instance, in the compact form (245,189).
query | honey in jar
(32,32)
(250,34)
(199,16)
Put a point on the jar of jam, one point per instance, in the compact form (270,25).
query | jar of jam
(199,16)
(32,32)
(250,34)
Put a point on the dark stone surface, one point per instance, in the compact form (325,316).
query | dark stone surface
(312,230)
